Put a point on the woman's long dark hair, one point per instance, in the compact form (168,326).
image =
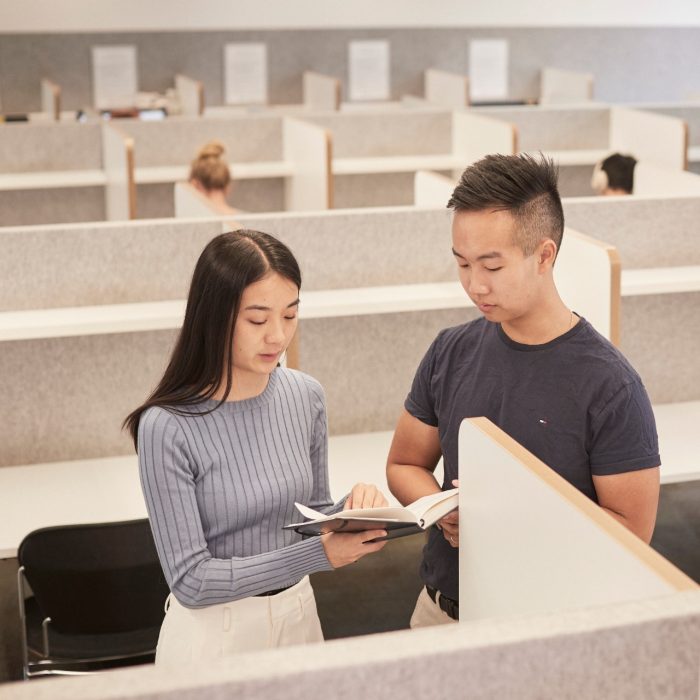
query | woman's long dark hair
(230,262)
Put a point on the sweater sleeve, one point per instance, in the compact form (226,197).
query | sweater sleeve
(195,577)
(321,498)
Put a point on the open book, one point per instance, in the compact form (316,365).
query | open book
(397,521)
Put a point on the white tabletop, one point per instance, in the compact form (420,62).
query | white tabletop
(81,491)
(161,315)
(108,489)
(50,180)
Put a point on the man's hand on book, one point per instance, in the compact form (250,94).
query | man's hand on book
(344,548)
(450,523)
(365,496)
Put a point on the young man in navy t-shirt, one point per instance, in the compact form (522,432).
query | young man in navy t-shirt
(531,365)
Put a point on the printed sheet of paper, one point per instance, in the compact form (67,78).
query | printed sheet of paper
(114,76)
(368,63)
(245,73)
(488,69)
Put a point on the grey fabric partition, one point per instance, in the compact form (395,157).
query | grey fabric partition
(647,232)
(26,148)
(659,332)
(82,387)
(31,148)
(628,63)
(556,128)
(646,649)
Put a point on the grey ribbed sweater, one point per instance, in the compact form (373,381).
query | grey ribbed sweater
(219,488)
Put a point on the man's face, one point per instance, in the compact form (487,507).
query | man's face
(499,279)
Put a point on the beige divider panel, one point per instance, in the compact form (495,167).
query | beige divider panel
(191,95)
(565,86)
(321,92)
(652,138)
(587,274)
(189,202)
(51,99)
(432,189)
(308,148)
(655,181)
(532,543)
(474,136)
(446,89)
(118,163)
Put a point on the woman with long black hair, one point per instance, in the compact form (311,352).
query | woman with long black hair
(227,442)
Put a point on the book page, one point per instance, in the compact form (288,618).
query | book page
(386,513)
(430,509)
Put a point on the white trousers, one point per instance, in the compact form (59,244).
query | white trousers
(196,635)
(428,613)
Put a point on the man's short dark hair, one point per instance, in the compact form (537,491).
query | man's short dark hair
(620,171)
(524,186)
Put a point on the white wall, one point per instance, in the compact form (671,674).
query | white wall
(164,15)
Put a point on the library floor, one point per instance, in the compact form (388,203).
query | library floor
(378,593)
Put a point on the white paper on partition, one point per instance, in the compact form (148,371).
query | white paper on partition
(245,73)
(114,76)
(369,70)
(488,69)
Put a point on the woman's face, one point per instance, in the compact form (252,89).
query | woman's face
(266,323)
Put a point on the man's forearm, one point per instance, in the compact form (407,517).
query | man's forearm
(408,482)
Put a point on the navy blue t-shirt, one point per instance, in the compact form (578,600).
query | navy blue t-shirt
(575,402)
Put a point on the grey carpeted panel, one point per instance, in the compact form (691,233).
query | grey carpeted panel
(66,398)
(90,264)
(373,190)
(629,64)
(650,232)
(366,363)
(51,206)
(556,129)
(659,337)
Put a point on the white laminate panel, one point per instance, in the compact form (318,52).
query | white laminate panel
(50,180)
(661,280)
(679,440)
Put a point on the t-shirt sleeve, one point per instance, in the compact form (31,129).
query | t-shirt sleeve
(420,402)
(624,433)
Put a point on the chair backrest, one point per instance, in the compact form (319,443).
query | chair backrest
(97,578)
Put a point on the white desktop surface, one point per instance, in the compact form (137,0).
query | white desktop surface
(108,489)
(81,491)
(50,180)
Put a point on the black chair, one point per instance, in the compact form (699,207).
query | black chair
(96,599)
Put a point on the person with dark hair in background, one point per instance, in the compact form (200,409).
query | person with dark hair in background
(614,175)
(210,175)
(531,365)
(227,442)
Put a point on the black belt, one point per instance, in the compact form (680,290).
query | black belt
(447,605)
(275,591)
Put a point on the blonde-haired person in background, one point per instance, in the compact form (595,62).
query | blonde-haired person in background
(211,176)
